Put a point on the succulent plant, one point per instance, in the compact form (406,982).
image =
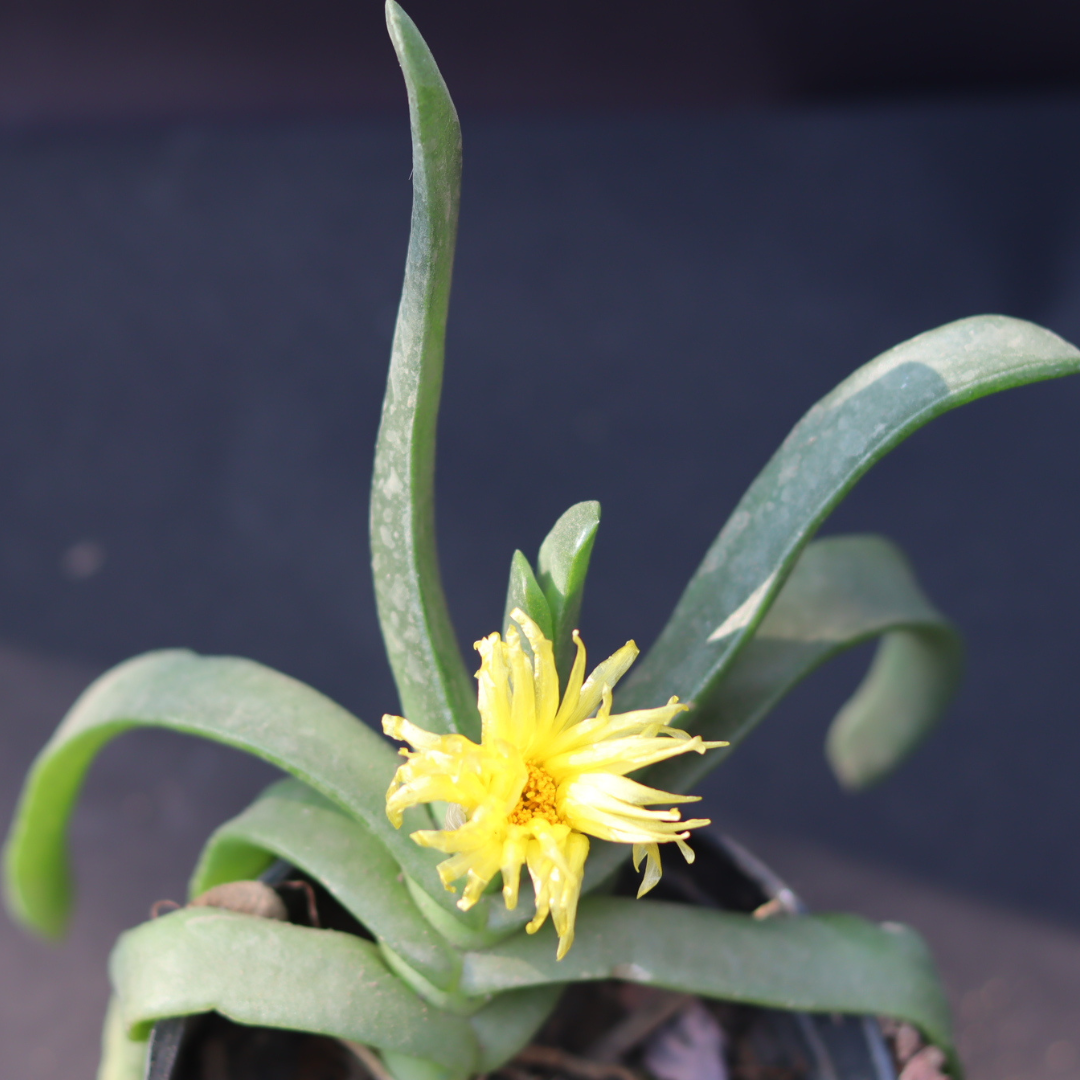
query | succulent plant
(450,986)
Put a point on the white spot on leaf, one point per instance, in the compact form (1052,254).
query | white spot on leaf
(631,972)
(745,612)
(392,485)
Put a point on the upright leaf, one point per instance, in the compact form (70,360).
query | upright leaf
(837,441)
(232,701)
(563,565)
(524,592)
(435,688)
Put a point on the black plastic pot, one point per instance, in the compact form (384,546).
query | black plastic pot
(809,1046)
(799,1046)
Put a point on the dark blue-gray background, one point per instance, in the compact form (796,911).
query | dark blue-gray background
(194,326)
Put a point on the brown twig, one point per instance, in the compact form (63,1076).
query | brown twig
(159,907)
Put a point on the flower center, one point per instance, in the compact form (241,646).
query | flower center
(537,800)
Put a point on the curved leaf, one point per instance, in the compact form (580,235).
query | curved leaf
(435,688)
(227,858)
(812,963)
(843,591)
(236,702)
(297,824)
(121,1058)
(867,415)
(913,679)
(266,973)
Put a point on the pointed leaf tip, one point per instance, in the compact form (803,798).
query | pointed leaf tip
(435,687)
(412,50)
(524,592)
(562,567)
(832,446)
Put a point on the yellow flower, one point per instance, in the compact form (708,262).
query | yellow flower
(546,775)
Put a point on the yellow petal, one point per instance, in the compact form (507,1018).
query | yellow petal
(474,889)
(493,695)
(397,727)
(625,824)
(540,868)
(564,907)
(646,722)
(653,869)
(523,697)
(572,695)
(623,755)
(545,677)
(624,789)
(607,673)
(513,859)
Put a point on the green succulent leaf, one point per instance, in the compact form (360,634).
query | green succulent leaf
(435,688)
(266,973)
(811,963)
(232,701)
(291,821)
(833,445)
(511,1020)
(843,591)
(229,858)
(122,1058)
(914,676)
(563,566)
(524,592)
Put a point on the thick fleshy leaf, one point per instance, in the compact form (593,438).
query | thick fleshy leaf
(811,963)
(511,1020)
(524,592)
(867,415)
(911,682)
(563,565)
(435,688)
(843,591)
(226,858)
(236,702)
(121,1058)
(292,822)
(273,974)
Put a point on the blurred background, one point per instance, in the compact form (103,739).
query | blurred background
(682,225)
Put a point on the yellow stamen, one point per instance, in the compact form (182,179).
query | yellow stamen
(537,800)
